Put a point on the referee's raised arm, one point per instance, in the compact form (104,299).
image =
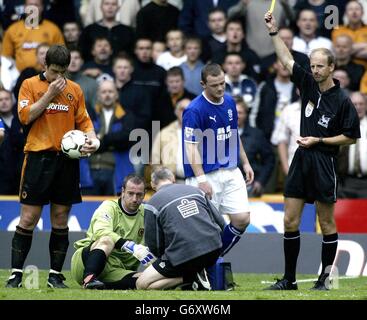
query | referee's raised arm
(281,49)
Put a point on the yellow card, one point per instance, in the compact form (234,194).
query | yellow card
(272,6)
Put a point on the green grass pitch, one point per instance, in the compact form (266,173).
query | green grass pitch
(249,287)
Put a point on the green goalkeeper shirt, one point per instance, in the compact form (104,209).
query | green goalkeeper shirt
(111,220)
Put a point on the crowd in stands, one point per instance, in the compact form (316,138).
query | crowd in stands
(139,61)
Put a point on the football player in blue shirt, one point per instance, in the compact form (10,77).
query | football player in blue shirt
(212,149)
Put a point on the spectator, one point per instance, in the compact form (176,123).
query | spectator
(356,29)
(320,9)
(71,31)
(194,15)
(19,44)
(32,71)
(286,133)
(238,84)
(273,96)
(343,48)
(158,48)
(352,165)
(307,38)
(100,67)
(113,125)
(344,79)
(251,14)
(217,20)
(192,67)
(236,43)
(131,95)
(11,148)
(175,85)
(155,20)
(121,37)
(167,146)
(152,78)
(175,55)
(258,149)
(126,14)
(88,84)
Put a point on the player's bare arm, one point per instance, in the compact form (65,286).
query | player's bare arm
(195,160)
(281,49)
(307,142)
(246,165)
(54,89)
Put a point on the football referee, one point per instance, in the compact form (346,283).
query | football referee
(328,120)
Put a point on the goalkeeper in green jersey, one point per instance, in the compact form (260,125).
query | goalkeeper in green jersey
(108,258)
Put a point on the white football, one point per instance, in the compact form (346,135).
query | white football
(72,142)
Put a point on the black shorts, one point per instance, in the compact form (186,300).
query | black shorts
(49,176)
(187,269)
(312,177)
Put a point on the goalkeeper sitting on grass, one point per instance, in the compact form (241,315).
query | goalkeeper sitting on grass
(110,255)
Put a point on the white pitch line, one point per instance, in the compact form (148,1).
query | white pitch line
(310,280)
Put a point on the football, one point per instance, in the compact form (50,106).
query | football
(72,142)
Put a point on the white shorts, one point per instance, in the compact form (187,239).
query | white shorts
(229,190)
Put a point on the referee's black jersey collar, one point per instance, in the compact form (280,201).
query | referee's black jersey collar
(333,89)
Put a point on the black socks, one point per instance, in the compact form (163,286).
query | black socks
(58,246)
(292,243)
(21,244)
(328,252)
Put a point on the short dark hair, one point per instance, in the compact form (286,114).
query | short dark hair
(134,178)
(175,71)
(58,55)
(123,56)
(217,9)
(210,69)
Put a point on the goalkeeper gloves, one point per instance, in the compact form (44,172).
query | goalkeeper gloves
(140,252)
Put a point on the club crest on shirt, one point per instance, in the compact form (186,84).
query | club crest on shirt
(324,121)
(189,132)
(230,115)
(309,109)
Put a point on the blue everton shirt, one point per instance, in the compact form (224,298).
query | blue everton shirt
(213,126)
(1,124)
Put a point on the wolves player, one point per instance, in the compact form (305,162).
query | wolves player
(212,148)
(328,120)
(108,257)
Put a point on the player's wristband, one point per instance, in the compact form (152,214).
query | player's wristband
(321,140)
(272,34)
(201,179)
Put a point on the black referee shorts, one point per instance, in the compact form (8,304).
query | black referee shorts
(312,177)
(49,177)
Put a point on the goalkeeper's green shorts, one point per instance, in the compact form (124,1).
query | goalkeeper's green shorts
(110,273)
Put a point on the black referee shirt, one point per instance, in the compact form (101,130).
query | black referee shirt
(325,114)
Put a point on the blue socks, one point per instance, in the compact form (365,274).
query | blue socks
(230,236)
